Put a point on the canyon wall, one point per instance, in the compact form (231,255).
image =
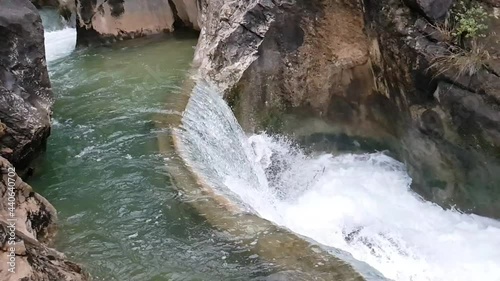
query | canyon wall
(361,70)
(45,3)
(25,90)
(101,21)
(451,137)
(311,56)
(27,220)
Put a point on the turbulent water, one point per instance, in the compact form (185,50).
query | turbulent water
(60,38)
(120,215)
(361,204)
(59,43)
(123,218)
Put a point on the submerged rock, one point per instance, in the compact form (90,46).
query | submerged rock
(25,90)
(27,223)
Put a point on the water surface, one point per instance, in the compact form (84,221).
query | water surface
(119,214)
(123,217)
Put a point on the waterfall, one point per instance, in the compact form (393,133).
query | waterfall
(359,203)
(59,43)
(217,149)
(60,37)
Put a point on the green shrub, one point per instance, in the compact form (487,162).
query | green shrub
(466,23)
(470,20)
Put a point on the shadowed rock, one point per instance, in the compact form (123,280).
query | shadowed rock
(25,91)
(363,69)
(432,9)
(45,3)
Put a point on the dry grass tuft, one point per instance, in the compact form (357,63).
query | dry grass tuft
(463,62)
(444,30)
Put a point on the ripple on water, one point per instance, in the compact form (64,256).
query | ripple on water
(120,215)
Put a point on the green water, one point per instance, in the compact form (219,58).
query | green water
(119,214)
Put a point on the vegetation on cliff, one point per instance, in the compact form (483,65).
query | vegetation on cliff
(464,26)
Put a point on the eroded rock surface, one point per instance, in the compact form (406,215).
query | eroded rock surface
(109,20)
(432,9)
(271,55)
(25,91)
(27,222)
(364,69)
(450,139)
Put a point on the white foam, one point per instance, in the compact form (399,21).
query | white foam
(59,43)
(363,204)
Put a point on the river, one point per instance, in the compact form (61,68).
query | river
(122,215)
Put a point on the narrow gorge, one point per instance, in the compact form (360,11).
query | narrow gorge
(250,140)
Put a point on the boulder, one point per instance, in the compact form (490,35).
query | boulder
(27,223)
(25,90)
(432,9)
(103,21)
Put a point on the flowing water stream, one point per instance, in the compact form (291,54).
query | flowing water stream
(119,213)
(125,217)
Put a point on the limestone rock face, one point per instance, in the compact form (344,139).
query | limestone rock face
(188,12)
(268,55)
(25,90)
(27,222)
(101,20)
(363,69)
(451,138)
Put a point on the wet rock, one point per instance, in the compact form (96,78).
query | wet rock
(25,90)
(366,71)
(188,12)
(108,21)
(271,55)
(450,137)
(432,9)
(27,223)
(67,9)
(471,115)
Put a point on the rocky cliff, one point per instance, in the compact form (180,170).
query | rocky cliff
(383,72)
(27,220)
(25,91)
(110,20)
(272,55)
(367,70)
(27,223)
(447,95)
